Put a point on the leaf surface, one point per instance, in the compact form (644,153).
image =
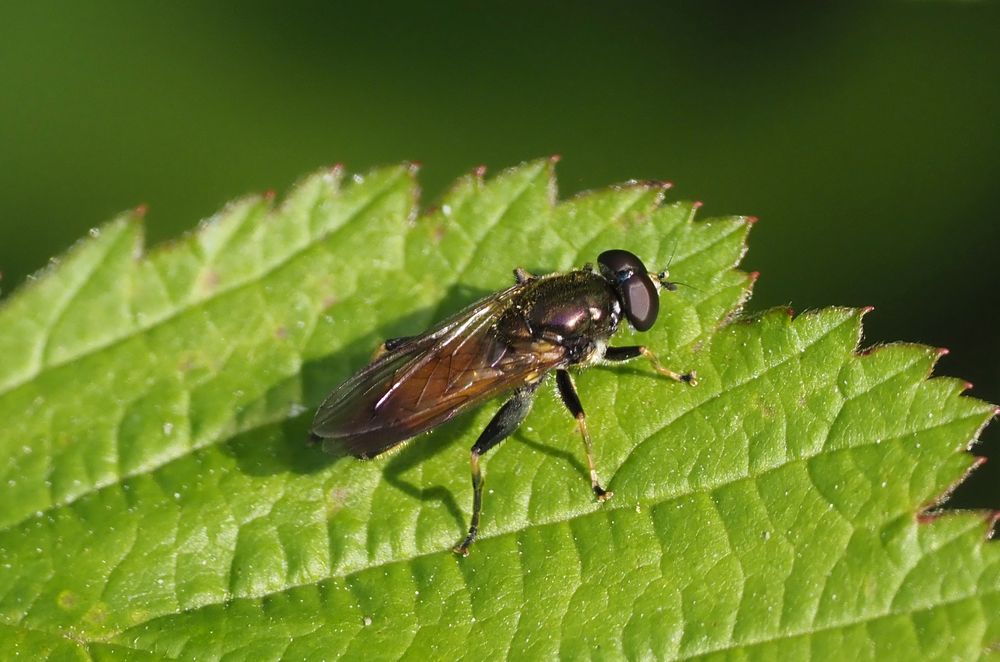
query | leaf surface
(158,499)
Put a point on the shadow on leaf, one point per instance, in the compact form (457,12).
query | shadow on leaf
(423,448)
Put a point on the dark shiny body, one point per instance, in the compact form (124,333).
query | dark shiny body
(576,311)
(504,344)
(505,341)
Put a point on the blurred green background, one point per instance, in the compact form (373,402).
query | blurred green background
(866,138)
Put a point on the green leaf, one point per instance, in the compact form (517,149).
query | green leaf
(158,499)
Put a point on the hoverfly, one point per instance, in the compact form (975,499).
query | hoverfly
(505,343)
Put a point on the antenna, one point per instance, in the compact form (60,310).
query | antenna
(663,276)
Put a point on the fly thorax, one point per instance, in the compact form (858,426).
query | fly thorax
(565,319)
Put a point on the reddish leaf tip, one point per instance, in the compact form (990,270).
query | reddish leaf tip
(140,210)
(943,351)
(992,517)
(926,517)
(479,171)
(753,276)
(867,309)
(697,204)
(555,158)
(751,220)
(269,194)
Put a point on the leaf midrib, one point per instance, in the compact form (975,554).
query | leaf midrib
(110,637)
(569,515)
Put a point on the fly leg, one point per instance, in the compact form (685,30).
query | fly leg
(567,391)
(502,425)
(634,351)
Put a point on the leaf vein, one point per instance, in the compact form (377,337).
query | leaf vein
(233,287)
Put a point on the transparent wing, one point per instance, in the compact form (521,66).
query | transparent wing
(432,378)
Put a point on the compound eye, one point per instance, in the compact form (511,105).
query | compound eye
(641,301)
(618,261)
